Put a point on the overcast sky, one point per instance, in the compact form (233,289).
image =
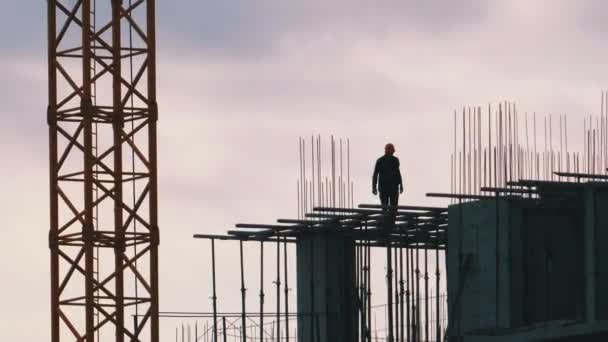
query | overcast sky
(240,81)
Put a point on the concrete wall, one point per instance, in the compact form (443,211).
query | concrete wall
(476,273)
(552,265)
(596,243)
(514,263)
(326,288)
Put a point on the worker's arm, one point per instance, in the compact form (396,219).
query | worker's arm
(375,177)
(399,176)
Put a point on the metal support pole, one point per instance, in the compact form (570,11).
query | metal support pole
(262,291)
(437,285)
(369,287)
(286,288)
(214,298)
(243,290)
(401,293)
(417,314)
(396,291)
(389,282)
(278,284)
(408,292)
(426,292)
(224,329)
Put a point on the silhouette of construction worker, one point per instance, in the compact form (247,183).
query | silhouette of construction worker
(387,177)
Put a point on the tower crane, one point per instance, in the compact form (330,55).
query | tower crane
(102,119)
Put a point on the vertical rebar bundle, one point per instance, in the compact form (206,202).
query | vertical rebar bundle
(317,186)
(493,150)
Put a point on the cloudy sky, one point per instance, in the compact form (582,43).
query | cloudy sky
(240,81)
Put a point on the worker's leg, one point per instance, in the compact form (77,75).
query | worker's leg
(394,199)
(384,196)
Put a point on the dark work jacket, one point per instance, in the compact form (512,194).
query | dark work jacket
(387,174)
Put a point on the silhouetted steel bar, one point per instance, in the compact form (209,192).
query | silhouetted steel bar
(474,150)
(152,143)
(401,294)
(413,317)
(278,285)
(497,259)
(369,291)
(426,295)
(237,314)
(285,286)
(510,142)
(418,296)
(347,192)
(561,145)
(500,146)
(361,290)
(224,332)
(437,285)
(536,183)
(237,238)
(312,168)
(581,175)
(336,216)
(459,196)
(266,226)
(333,172)
(508,190)
(528,168)
(117,130)
(463,173)
(88,227)
(550,166)
(536,158)
(340,178)
(319,170)
(302,175)
(243,308)
(403,207)
(408,294)
(469,152)
(53,163)
(214,298)
(379,213)
(306,223)
(396,291)
(490,166)
(262,290)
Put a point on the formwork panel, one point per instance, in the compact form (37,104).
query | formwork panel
(601,254)
(326,288)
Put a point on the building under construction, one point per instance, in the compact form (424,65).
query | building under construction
(519,250)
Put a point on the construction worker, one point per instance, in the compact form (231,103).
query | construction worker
(387,177)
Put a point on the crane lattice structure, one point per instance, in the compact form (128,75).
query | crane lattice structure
(102,118)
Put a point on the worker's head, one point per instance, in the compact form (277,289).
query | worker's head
(389,149)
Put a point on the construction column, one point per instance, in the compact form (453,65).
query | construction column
(326,287)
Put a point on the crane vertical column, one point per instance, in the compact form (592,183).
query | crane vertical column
(86,51)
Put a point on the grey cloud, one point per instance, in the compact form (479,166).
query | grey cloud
(240,28)
(23,28)
(592,17)
(23,113)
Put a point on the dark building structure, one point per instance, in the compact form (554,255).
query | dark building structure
(530,264)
